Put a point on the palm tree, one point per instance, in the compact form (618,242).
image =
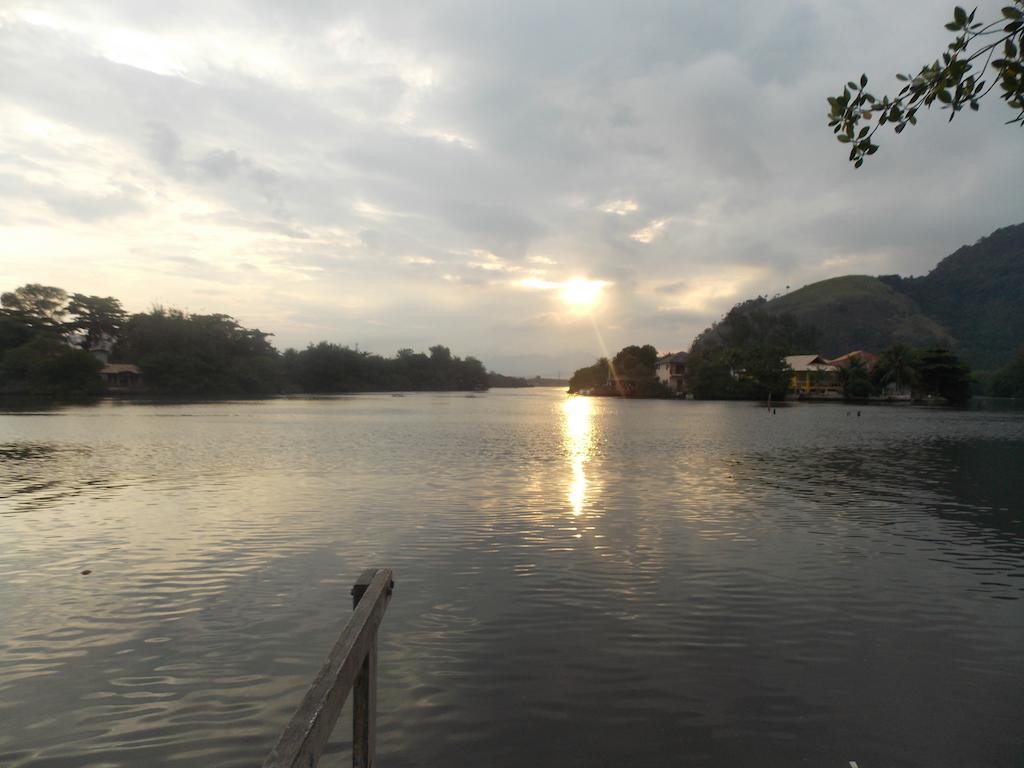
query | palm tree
(855,379)
(898,365)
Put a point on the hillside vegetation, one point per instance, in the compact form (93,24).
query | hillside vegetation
(978,294)
(860,312)
(972,303)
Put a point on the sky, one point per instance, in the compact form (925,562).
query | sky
(395,175)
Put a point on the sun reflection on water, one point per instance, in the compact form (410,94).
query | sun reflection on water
(578,430)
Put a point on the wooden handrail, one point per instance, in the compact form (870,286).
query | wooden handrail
(351,665)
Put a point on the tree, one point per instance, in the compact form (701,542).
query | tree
(942,374)
(634,362)
(440,354)
(752,324)
(855,379)
(710,373)
(41,307)
(13,333)
(470,375)
(184,354)
(629,374)
(1009,381)
(590,377)
(98,319)
(326,367)
(953,82)
(766,373)
(897,365)
(48,366)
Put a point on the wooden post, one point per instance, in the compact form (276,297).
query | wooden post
(364,691)
(350,666)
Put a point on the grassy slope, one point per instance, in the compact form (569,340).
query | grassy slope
(860,312)
(978,293)
(972,303)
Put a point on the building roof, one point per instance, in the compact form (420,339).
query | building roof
(120,368)
(869,359)
(677,358)
(808,363)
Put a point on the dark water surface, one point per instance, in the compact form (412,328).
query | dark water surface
(580,582)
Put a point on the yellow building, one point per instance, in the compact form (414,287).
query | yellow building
(813,376)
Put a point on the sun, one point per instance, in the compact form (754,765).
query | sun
(582,294)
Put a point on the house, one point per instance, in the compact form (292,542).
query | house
(121,377)
(813,376)
(100,348)
(869,359)
(671,371)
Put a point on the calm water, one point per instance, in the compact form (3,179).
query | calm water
(580,582)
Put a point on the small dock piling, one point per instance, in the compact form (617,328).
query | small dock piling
(351,666)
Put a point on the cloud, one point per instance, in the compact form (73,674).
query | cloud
(620,207)
(647,234)
(390,174)
(86,207)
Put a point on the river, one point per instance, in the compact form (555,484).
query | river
(579,581)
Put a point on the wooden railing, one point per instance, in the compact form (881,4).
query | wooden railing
(351,665)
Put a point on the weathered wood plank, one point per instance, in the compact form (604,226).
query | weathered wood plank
(306,735)
(364,692)
(364,713)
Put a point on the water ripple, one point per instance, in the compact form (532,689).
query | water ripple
(581,582)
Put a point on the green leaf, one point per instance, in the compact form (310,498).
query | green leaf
(1012,13)
(863,80)
(959,15)
(843,138)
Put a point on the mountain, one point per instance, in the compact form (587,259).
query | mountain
(978,294)
(860,312)
(972,302)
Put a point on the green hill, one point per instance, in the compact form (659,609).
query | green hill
(978,294)
(860,312)
(972,303)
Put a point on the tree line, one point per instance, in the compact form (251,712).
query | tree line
(743,358)
(630,373)
(49,340)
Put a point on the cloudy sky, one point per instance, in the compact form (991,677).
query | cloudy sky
(403,174)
